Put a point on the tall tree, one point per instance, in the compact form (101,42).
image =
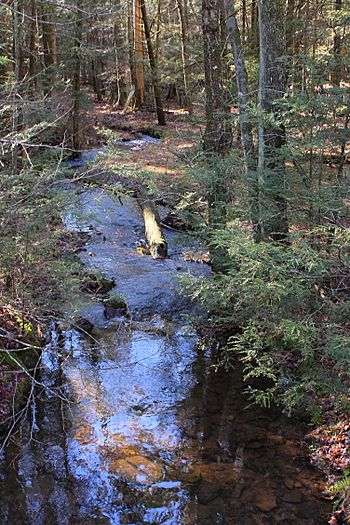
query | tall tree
(217,136)
(254,28)
(32,42)
(139,73)
(154,67)
(96,63)
(244,116)
(182,9)
(272,81)
(76,114)
(48,28)
(337,68)
(131,50)
(158,31)
(121,81)
(18,58)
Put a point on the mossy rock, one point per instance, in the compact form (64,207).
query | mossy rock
(95,284)
(115,305)
(115,301)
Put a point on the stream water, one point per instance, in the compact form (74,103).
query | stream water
(141,140)
(152,434)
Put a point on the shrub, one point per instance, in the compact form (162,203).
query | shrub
(283,312)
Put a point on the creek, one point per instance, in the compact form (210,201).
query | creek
(151,432)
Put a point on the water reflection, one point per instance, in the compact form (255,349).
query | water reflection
(126,425)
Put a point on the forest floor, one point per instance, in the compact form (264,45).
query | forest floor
(180,138)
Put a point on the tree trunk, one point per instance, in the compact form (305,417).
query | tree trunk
(158,25)
(271,168)
(96,74)
(154,68)
(131,48)
(290,26)
(244,118)
(244,20)
(254,28)
(121,84)
(76,131)
(49,45)
(336,75)
(217,136)
(139,69)
(17,112)
(32,44)
(184,53)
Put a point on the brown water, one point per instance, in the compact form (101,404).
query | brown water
(152,434)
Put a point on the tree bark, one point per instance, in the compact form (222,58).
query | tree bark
(217,136)
(244,117)
(154,68)
(139,69)
(272,79)
(184,53)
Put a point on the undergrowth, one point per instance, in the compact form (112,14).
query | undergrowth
(283,310)
(37,272)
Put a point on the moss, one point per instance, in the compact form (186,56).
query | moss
(94,283)
(115,301)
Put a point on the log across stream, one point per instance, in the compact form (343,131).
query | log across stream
(156,241)
(152,434)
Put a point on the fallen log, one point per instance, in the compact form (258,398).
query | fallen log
(155,239)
